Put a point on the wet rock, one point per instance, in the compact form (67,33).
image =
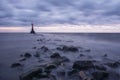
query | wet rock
(51,66)
(114,75)
(113,64)
(72,72)
(27,55)
(100,75)
(44,48)
(63,59)
(82,65)
(87,50)
(81,55)
(37,55)
(36,72)
(105,55)
(21,55)
(22,59)
(85,76)
(14,65)
(68,48)
(55,55)
(61,73)
(100,67)
(34,48)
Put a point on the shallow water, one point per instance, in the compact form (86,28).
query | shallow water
(14,44)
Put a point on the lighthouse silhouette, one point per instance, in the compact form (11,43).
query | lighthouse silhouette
(32,29)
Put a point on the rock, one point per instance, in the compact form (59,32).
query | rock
(82,65)
(105,55)
(84,76)
(49,67)
(113,64)
(114,75)
(100,67)
(45,49)
(55,55)
(37,55)
(87,50)
(22,59)
(72,72)
(14,65)
(81,55)
(100,75)
(63,59)
(34,47)
(61,73)
(27,55)
(21,55)
(36,72)
(68,48)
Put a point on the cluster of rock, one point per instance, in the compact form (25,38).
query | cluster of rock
(62,68)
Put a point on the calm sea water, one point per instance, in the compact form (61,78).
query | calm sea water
(98,36)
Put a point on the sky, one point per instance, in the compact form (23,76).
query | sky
(21,13)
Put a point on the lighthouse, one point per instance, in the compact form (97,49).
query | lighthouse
(32,29)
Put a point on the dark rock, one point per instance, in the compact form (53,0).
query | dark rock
(49,68)
(14,65)
(100,75)
(81,55)
(82,65)
(27,55)
(21,55)
(68,48)
(87,50)
(45,49)
(105,55)
(22,59)
(100,67)
(37,55)
(34,47)
(43,75)
(63,59)
(55,55)
(61,73)
(113,64)
(36,72)
(72,72)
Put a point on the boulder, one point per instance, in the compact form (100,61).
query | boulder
(35,72)
(55,55)
(63,59)
(27,55)
(44,48)
(87,50)
(37,55)
(68,48)
(100,75)
(14,65)
(82,65)
(81,55)
(72,72)
(22,59)
(113,64)
(49,68)
(100,67)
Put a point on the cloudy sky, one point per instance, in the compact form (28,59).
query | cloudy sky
(49,12)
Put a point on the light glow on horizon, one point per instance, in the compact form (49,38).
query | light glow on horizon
(65,28)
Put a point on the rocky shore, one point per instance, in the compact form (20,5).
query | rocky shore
(64,62)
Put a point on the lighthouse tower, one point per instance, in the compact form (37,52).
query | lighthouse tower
(32,29)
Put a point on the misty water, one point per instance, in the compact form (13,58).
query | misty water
(14,44)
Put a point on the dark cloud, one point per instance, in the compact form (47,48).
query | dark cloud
(46,12)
